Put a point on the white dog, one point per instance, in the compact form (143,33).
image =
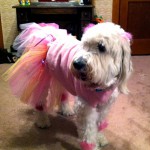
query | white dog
(95,69)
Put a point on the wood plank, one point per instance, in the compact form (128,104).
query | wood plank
(141,46)
(115,11)
(54,11)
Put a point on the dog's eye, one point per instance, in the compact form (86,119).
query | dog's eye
(101,47)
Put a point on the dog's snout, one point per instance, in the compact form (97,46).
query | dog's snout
(79,63)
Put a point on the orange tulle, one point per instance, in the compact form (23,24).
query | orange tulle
(26,74)
(30,80)
(29,77)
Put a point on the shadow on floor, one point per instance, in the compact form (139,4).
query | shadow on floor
(56,136)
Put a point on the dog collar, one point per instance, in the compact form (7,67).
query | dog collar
(107,88)
(99,90)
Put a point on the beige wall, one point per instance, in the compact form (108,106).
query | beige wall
(8,14)
(103,8)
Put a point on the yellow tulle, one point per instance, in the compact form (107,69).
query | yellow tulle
(22,65)
(25,60)
(31,82)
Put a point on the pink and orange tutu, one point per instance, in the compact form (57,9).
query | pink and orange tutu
(28,77)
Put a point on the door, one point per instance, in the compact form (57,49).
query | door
(134,17)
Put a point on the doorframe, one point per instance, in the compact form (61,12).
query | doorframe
(115,11)
(1,35)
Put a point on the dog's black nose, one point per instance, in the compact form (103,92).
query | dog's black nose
(79,63)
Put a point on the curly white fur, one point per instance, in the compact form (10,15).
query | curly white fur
(104,68)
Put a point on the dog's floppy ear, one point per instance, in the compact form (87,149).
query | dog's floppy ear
(126,67)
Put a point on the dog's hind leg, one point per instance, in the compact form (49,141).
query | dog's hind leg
(70,105)
(42,118)
(87,127)
(67,104)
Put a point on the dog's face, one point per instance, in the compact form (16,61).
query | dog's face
(104,57)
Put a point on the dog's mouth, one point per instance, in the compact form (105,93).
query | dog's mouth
(82,71)
(81,75)
(87,80)
(85,77)
(92,85)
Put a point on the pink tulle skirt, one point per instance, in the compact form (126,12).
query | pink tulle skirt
(29,78)
(32,34)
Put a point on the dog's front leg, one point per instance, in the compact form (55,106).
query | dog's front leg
(87,127)
(103,111)
(42,118)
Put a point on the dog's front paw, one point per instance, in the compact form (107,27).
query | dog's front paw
(42,120)
(102,140)
(66,109)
